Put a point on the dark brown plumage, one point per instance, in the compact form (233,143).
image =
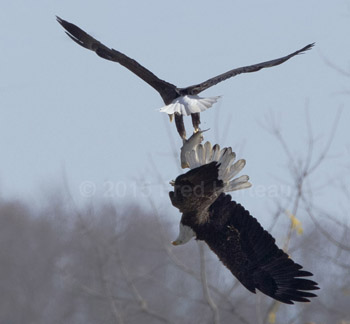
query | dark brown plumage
(169,92)
(237,238)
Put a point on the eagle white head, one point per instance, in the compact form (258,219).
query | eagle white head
(185,234)
(189,145)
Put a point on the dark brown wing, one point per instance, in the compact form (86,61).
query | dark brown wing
(196,190)
(251,254)
(195,89)
(165,89)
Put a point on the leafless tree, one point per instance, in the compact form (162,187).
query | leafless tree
(108,262)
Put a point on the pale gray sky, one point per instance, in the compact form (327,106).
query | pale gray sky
(66,112)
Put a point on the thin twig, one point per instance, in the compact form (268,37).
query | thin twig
(210,301)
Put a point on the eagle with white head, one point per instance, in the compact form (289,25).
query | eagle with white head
(236,237)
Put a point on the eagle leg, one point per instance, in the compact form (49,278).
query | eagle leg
(179,122)
(196,121)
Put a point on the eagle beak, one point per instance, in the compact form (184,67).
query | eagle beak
(171,117)
(177,242)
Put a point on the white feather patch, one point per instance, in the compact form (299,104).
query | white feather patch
(187,105)
(208,152)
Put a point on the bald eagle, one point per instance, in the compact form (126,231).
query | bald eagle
(236,237)
(178,101)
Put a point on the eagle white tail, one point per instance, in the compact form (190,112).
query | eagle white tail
(228,169)
(187,105)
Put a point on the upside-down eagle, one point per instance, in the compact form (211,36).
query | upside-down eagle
(178,101)
(240,242)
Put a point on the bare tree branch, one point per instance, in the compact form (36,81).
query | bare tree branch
(210,301)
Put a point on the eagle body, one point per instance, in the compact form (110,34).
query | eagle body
(178,101)
(236,237)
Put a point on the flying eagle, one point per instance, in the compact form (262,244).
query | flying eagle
(240,242)
(178,101)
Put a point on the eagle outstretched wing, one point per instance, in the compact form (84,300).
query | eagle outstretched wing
(168,91)
(165,89)
(251,254)
(196,89)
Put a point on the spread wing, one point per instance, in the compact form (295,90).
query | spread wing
(196,89)
(251,254)
(165,89)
